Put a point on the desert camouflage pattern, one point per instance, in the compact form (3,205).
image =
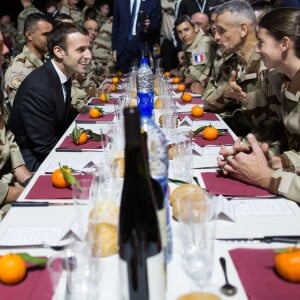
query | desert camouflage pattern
(84,86)
(75,13)
(168,19)
(101,20)
(10,158)
(9,31)
(101,49)
(261,114)
(205,47)
(20,38)
(22,65)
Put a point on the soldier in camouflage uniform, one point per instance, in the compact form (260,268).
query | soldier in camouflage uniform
(13,172)
(73,11)
(88,4)
(279,47)
(36,28)
(102,51)
(199,53)
(29,8)
(242,90)
(103,11)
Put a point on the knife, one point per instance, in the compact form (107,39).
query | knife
(37,204)
(291,239)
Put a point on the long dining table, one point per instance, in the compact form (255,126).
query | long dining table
(265,216)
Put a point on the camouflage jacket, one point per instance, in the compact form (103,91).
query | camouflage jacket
(261,114)
(198,58)
(20,39)
(10,158)
(75,13)
(22,65)
(102,51)
(168,19)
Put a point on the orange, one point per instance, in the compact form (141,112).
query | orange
(210,133)
(180,87)
(82,138)
(12,268)
(113,87)
(287,265)
(186,97)
(197,111)
(115,80)
(58,179)
(167,74)
(103,97)
(94,113)
(176,79)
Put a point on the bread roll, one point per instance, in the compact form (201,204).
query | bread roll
(199,296)
(195,192)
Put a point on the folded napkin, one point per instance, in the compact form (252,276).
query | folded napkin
(220,185)
(85,118)
(206,117)
(224,139)
(68,144)
(43,189)
(195,100)
(36,286)
(96,101)
(256,271)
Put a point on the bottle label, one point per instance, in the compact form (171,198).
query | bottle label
(161,216)
(156,278)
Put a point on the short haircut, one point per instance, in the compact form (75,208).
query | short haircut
(32,20)
(240,11)
(61,17)
(182,19)
(58,36)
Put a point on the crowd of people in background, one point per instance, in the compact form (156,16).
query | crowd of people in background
(236,53)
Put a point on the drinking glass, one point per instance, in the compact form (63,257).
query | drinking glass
(197,233)
(182,156)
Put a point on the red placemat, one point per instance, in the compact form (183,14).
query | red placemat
(43,189)
(207,117)
(195,100)
(224,139)
(218,184)
(96,101)
(68,145)
(36,286)
(85,118)
(256,271)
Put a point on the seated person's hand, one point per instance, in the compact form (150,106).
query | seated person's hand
(233,90)
(180,56)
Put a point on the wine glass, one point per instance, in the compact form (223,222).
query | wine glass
(197,232)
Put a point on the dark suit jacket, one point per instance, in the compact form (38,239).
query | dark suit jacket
(39,115)
(121,22)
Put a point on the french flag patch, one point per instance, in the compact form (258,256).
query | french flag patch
(199,57)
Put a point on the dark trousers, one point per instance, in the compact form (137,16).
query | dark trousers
(169,55)
(129,55)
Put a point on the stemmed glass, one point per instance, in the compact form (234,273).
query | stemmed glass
(197,232)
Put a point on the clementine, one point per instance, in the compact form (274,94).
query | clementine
(103,97)
(82,138)
(12,268)
(176,79)
(58,179)
(94,112)
(210,133)
(287,265)
(167,74)
(115,80)
(180,87)
(197,111)
(186,97)
(113,87)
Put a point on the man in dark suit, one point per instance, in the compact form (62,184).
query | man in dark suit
(42,111)
(135,22)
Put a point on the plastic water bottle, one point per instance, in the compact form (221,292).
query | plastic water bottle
(145,83)
(157,150)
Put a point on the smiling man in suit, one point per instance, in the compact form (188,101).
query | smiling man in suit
(134,23)
(41,111)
